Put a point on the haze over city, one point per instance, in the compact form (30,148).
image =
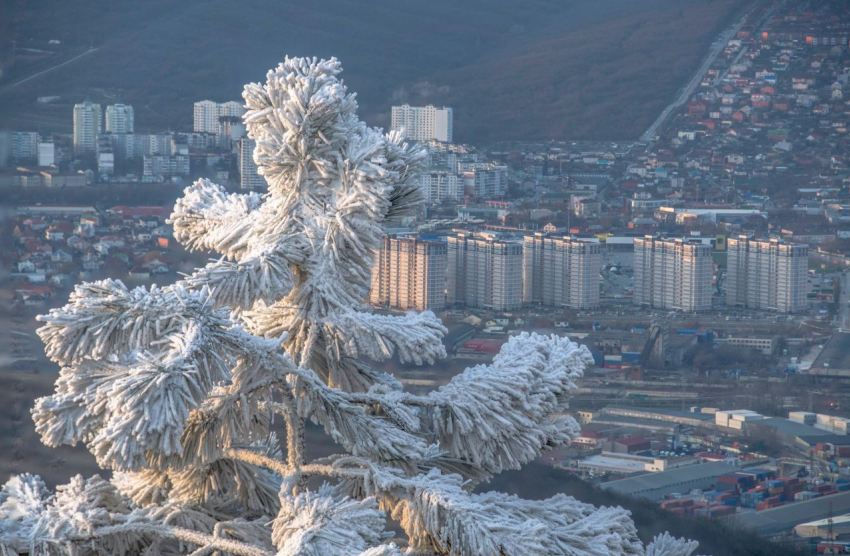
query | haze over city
(509,278)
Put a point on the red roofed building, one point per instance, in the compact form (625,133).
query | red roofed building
(696,109)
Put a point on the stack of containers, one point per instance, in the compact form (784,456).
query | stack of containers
(720,511)
(632,357)
(735,481)
(822,488)
(670,504)
(793,485)
(768,503)
(613,361)
(733,501)
(711,495)
(715,511)
(750,498)
(758,475)
(683,506)
(776,487)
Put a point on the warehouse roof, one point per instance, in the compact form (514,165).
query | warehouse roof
(635,422)
(635,486)
(828,438)
(657,411)
(825,522)
(787,517)
(790,428)
(631,441)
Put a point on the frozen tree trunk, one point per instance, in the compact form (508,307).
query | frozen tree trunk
(174,389)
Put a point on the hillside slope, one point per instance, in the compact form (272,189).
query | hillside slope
(716,537)
(519,70)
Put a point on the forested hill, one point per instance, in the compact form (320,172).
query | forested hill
(573,69)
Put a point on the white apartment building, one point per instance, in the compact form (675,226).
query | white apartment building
(207,114)
(486,182)
(88,122)
(409,273)
(24,145)
(766,274)
(672,274)
(46,151)
(484,272)
(160,165)
(423,123)
(119,118)
(248,176)
(560,271)
(440,185)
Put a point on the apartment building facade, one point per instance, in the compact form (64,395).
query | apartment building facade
(88,122)
(207,114)
(409,273)
(24,146)
(441,185)
(672,274)
(249,178)
(119,118)
(560,271)
(766,274)
(487,182)
(484,272)
(423,123)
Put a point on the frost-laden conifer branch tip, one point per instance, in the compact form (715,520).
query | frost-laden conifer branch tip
(175,389)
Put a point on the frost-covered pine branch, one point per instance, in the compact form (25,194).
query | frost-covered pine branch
(175,389)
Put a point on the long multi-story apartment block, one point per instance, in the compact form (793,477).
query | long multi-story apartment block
(88,122)
(560,271)
(208,113)
(766,274)
(162,165)
(153,144)
(423,123)
(484,271)
(409,273)
(672,274)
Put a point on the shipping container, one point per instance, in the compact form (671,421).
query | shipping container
(631,356)
(484,346)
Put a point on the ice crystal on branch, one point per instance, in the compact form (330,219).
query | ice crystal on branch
(175,389)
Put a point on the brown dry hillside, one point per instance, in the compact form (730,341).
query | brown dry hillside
(511,69)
